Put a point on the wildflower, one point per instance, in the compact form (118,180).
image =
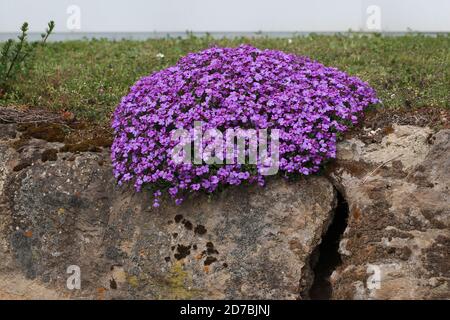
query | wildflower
(231,88)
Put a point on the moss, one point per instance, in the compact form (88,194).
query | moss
(87,145)
(51,132)
(49,155)
(84,146)
(45,131)
(79,125)
(21,166)
(102,141)
(20,143)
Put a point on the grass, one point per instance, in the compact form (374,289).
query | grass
(88,78)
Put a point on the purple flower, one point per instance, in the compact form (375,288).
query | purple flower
(243,87)
(173,191)
(214,180)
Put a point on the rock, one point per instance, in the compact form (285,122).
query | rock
(14,286)
(246,242)
(8,131)
(229,246)
(396,244)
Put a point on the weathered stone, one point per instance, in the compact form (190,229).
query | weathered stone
(246,242)
(398,228)
(8,131)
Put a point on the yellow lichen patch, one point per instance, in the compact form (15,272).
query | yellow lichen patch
(179,283)
(133,281)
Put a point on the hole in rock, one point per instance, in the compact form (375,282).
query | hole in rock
(326,255)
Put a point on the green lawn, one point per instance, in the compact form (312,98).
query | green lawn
(89,77)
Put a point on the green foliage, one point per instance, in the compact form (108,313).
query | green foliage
(14,55)
(88,77)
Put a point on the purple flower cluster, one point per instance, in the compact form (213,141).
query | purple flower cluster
(241,87)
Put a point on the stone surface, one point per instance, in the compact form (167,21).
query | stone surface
(397,242)
(245,242)
(241,243)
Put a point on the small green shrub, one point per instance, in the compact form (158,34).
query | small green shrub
(15,55)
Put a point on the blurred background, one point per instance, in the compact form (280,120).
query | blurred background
(155,18)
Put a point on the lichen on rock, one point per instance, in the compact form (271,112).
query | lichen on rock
(395,244)
(244,242)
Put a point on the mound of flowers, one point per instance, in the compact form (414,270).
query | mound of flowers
(233,88)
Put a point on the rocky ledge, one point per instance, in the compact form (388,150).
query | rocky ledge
(374,225)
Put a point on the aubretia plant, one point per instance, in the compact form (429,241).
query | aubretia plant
(225,88)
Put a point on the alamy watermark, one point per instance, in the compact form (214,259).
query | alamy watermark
(234,146)
(74,280)
(74,19)
(374,280)
(373,18)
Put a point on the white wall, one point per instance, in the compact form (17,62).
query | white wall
(227,15)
